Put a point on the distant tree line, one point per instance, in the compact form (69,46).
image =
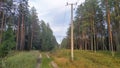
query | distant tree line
(96,26)
(20,28)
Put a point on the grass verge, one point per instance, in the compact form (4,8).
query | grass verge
(21,60)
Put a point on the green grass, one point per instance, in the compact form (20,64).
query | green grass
(25,60)
(45,61)
(117,54)
(21,60)
(86,59)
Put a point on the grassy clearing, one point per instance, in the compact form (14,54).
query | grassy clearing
(21,60)
(85,59)
(45,61)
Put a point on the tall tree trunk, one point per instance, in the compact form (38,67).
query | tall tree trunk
(21,40)
(91,35)
(17,38)
(31,38)
(109,29)
(2,27)
(22,34)
(117,41)
(85,42)
(79,40)
(117,14)
(118,45)
(94,42)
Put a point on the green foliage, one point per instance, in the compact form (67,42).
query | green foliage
(48,41)
(34,30)
(91,27)
(43,38)
(64,43)
(8,42)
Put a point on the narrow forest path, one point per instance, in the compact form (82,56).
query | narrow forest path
(39,59)
(54,65)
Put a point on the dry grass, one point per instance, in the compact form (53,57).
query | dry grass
(85,59)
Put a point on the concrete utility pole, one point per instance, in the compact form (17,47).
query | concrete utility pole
(72,43)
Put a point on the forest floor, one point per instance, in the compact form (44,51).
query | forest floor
(61,59)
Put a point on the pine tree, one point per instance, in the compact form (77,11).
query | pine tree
(8,42)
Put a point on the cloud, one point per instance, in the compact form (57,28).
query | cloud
(55,13)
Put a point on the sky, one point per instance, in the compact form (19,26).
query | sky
(56,13)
